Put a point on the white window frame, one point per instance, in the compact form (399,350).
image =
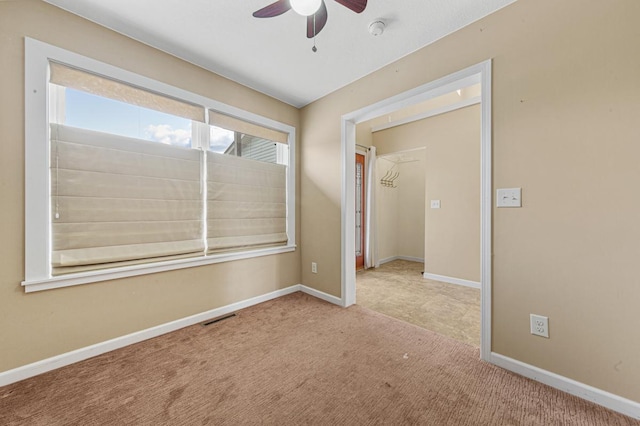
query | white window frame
(39,112)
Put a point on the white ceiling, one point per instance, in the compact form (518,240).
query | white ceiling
(273,55)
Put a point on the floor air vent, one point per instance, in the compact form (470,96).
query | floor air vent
(215,320)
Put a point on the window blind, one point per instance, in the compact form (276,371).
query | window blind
(116,199)
(246,203)
(235,124)
(101,86)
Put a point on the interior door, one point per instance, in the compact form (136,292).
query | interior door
(360,211)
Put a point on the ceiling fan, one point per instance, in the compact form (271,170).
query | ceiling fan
(314,10)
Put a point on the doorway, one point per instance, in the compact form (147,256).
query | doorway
(480,73)
(428,218)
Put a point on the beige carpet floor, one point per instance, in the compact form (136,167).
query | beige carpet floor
(397,289)
(294,361)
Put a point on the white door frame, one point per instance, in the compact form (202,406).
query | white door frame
(480,73)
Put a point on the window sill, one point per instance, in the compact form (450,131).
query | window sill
(151,268)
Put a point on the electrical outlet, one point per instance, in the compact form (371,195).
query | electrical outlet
(540,325)
(314,267)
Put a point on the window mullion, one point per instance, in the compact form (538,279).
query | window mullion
(203,183)
(200,137)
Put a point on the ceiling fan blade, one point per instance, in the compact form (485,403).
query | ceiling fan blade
(321,20)
(274,9)
(356,5)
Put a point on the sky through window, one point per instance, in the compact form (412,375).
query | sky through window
(101,114)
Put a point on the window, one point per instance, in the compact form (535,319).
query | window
(127,176)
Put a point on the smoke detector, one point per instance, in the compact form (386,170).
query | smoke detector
(376,28)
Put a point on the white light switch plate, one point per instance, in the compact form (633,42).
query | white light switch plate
(435,204)
(509,197)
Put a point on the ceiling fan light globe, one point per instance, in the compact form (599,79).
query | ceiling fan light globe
(305,7)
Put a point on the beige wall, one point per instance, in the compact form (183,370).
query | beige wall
(452,244)
(450,236)
(400,210)
(565,129)
(386,214)
(411,196)
(40,325)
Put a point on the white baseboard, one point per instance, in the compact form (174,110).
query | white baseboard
(321,295)
(611,401)
(451,280)
(387,260)
(409,258)
(58,361)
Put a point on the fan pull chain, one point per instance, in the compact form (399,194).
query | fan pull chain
(314,49)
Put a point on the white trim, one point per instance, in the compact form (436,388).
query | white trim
(348,221)
(452,82)
(321,295)
(147,268)
(291,186)
(37,220)
(606,399)
(479,73)
(451,280)
(486,191)
(58,361)
(408,258)
(37,159)
(428,114)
